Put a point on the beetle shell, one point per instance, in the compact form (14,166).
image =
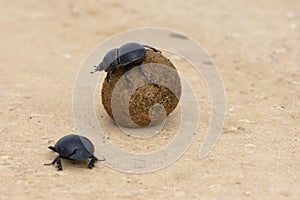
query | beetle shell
(68,144)
(131,53)
(127,55)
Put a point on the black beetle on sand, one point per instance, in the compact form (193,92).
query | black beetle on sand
(73,147)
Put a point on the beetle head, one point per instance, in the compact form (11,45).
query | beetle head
(109,62)
(98,68)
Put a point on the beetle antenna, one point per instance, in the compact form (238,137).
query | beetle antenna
(97,68)
(94,70)
(149,47)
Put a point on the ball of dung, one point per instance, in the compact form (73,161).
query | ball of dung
(144,95)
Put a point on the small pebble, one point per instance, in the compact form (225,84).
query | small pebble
(67,56)
(18,182)
(232,108)
(249,145)
(5,157)
(232,128)
(10,108)
(247,193)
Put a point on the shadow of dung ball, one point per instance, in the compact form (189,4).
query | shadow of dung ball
(153,95)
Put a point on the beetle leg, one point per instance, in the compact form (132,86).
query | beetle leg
(126,71)
(127,80)
(144,74)
(57,161)
(92,162)
(152,48)
(53,162)
(103,159)
(109,75)
(58,164)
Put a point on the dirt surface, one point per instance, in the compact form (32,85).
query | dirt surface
(255,44)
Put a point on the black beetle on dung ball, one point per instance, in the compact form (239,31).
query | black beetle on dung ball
(127,56)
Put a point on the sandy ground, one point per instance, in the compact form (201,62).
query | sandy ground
(256,45)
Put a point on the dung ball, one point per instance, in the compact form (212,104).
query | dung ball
(145,95)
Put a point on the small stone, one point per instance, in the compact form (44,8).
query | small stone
(128,180)
(10,108)
(232,128)
(67,56)
(241,128)
(249,145)
(18,182)
(232,108)
(5,157)
(247,193)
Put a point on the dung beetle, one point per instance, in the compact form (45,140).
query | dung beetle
(73,147)
(127,56)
